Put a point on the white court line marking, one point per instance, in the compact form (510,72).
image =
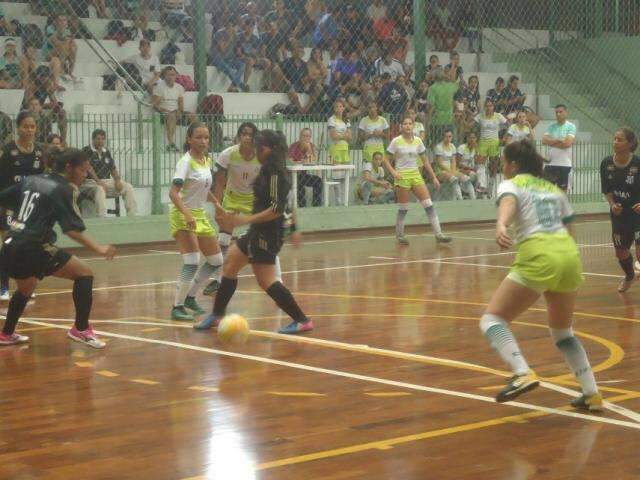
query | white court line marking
(384,258)
(354,376)
(133,255)
(332,343)
(309,270)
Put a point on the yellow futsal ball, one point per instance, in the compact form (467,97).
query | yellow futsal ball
(233,328)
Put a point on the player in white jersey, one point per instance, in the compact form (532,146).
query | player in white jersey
(547,263)
(521,130)
(404,151)
(190,224)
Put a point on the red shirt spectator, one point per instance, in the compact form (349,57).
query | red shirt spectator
(383,28)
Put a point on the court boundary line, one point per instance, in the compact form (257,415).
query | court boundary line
(355,376)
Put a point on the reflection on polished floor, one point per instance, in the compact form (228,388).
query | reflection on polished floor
(396,382)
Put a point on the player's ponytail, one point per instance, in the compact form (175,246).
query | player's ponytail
(526,157)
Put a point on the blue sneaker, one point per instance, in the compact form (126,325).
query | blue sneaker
(207,323)
(297,327)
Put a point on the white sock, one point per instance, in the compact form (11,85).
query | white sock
(432,215)
(207,270)
(278,270)
(188,271)
(576,358)
(502,340)
(403,209)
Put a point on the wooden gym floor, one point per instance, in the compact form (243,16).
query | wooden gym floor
(396,381)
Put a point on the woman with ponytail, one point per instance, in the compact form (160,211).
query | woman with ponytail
(547,263)
(272,215)
(190,225)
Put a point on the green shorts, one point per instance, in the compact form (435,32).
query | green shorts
(489,148)
(238,202)
(548,262)
(409,179)
(369,150)
(203,225)
(339,153)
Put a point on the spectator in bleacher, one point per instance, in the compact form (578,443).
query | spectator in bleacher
(10,66)
(433,68)
(316,68)
(54,142)
(456,72)
(174,16)
(373,132)
(8,28)
(489,123)
(140,29)
(514,98)
(340,134)
(43,118)
(147,63)
(463,123)
(398,46)
(296,73)
(418,127)
(104,179)
(467,22)
(251,13)
(372,188)
(444,31)
(383,28)
(388,64)
(468,162)
(393,97)
(420,104)
(280,16)
(42,86)
(223,56)
(441,97)
(560,137)
(304,152)
(354,26)
(60,48)
(498,95)
(520,129)
(348,73)
(376,10)
(273,43)
(327,28)
(470,96)
(405,83)
(101,8)
(313,11)
(249,50)
(168,99)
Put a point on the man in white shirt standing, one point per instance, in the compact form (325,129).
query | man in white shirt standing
(147,64)
(560,138)
(168,99)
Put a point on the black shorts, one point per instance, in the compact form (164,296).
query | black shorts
(625,229)
(557,175)
(28,260)
(254,247)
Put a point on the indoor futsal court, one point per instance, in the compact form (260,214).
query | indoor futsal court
(395,382)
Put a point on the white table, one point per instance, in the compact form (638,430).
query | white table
(325,169)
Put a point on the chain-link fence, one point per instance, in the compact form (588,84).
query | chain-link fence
(85,64)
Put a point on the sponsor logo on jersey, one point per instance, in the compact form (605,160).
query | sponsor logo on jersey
(630,179)
(621,194)
(14,153)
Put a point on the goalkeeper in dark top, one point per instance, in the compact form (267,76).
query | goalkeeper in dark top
(620,178)
(29,252)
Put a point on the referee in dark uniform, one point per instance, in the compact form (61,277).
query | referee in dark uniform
(620,178)
(18,158)
(272,215)
(29,253)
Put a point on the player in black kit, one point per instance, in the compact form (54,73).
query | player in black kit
(260,245)
(17,160)
(620,178)
(28,252)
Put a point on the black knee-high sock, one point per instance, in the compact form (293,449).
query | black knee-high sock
(225,291)
(627,266)
(4,280)
(83,299)
(16,307)
(283,298)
